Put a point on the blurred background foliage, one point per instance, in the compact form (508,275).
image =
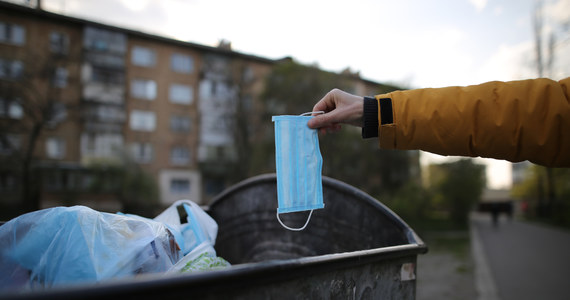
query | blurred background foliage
(545,195)
(136,190)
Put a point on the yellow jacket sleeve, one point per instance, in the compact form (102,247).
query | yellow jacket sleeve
(515,121)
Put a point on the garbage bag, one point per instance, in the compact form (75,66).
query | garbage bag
(201,258)
(190,225)
(195,232)
(205,262)
(65,245)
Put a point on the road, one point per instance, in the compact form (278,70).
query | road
(524,260)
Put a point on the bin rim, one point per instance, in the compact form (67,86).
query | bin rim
(411,235)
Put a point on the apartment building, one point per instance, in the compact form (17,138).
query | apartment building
(106,95)
(162,133)
(163,103)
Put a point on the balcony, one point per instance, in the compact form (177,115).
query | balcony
(103,69)
(104,113)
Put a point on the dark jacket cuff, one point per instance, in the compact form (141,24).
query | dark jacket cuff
(370,118)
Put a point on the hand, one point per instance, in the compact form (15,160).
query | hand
(339,107)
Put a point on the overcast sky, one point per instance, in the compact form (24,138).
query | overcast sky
(414,43)
(418,43)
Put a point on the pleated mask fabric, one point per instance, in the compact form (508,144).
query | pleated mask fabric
(298,165)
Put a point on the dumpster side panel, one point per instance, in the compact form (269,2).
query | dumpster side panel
(381,280)
(378,280)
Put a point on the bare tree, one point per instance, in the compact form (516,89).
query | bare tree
(32,85)
(545,63)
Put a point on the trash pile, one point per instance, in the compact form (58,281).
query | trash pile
(68,245)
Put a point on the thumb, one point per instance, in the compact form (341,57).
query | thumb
(319,121)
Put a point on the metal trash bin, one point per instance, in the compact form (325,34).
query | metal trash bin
(354,248)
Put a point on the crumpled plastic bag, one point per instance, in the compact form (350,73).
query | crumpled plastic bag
(205,262)
(202,258)
(195,232)
(66,245)
(190,225)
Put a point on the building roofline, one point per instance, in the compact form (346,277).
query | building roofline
(40,13)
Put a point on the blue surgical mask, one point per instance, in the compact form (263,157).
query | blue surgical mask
(299,164)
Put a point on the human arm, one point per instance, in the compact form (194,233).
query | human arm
(515,121)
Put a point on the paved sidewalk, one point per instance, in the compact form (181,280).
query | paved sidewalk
(483,276)
(520,260)
(447,270)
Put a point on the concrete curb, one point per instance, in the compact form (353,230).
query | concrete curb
(484,280)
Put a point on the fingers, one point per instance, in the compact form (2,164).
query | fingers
(315,123)
(339,107)
(324,120)
(326,104)
(320,106)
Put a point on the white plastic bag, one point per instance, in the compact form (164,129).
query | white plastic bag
(190,225)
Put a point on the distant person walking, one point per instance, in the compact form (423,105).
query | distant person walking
(495,214)
(515,121)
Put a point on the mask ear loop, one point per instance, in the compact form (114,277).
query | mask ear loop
(319,112)
(295,229)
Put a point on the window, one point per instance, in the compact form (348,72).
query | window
(89,142)
(216,89)
(100,144)
(16,69)
(60,77)
(205,89)
(108,113)
(143,120)
(180,93)
(101,40)
(58,43)
(142,152)
(180,186)
(58,113)
(9,143)
(180,123)
(143,57)
(11,68)
(108,60)
(12,34)
(143,89)
(248,75)
(55,148)
(103,75)
(180,155)
(217,153)
(11,109)
(15,110)
(181,63)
